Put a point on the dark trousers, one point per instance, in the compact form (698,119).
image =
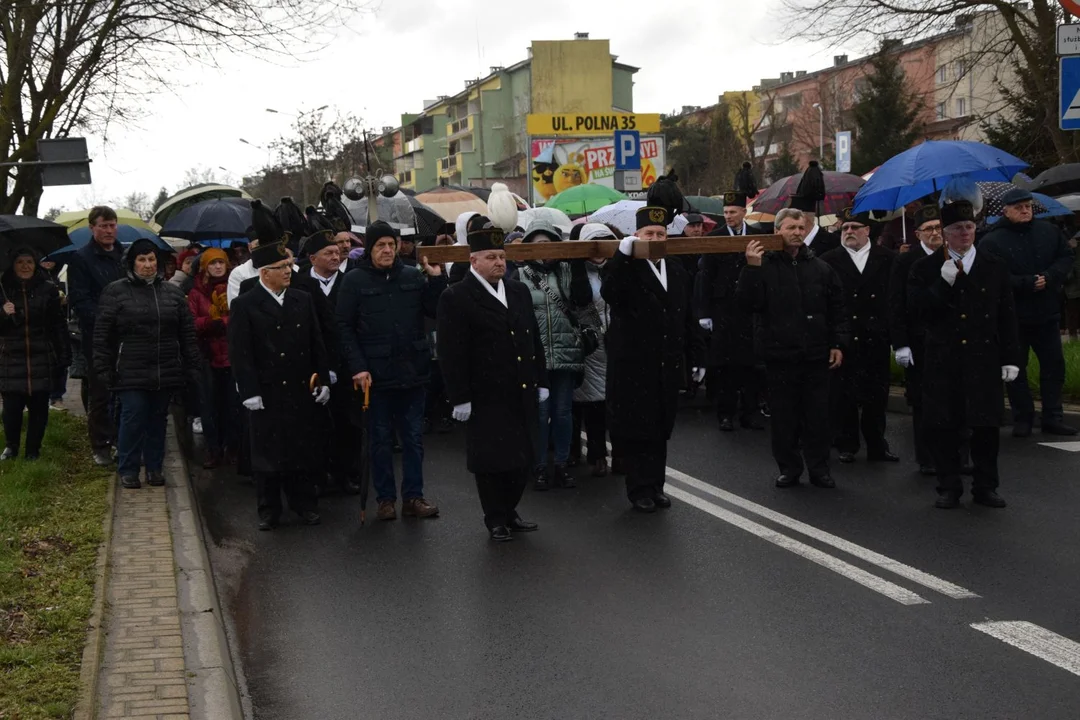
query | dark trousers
(859,395)
(735,382)
(799,400)
(438,407)
(946,446)
(59,384)
(346,436)
(1045,340)
(298,488)
(98,401)
(645,462)
(220,410)
(500,494)
(37,406)
(913,392)
(141,438)
(592,417)
(403,411)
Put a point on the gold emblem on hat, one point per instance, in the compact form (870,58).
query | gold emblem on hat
(658,216)
(931,212)
(282,251)
(498,237)
(730,199)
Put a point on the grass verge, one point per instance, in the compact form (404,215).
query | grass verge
(51,514)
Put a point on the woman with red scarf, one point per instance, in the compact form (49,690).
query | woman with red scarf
(208,304)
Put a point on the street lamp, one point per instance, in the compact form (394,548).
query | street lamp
(303,156)
(269,159)
(821,130)
(371,186)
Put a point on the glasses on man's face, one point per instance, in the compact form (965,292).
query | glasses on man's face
(280,267)
(851,227)
(932,230)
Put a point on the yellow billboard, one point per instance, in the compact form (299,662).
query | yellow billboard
(583,124)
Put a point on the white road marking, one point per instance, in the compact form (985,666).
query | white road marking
(1066,446)
(1035,640)
(886,563)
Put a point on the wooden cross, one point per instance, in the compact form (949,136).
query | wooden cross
(583,249)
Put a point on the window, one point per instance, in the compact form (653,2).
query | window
(941,111)
(961,107)
(943,74)
(961,69)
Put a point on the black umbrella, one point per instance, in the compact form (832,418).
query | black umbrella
(222,218)
(1059,180)
(43,236)
(427,221)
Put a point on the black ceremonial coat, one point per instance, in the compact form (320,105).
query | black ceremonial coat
(732,339)
(905,327)
(650,333)
(274,350)
(970,334)
(492,356)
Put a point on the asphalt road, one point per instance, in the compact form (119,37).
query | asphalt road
(716,608)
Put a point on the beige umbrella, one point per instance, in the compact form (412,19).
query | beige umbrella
(450,203)
(80,218)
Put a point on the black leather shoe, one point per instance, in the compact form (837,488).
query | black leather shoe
(949,501)
(501,533)
(1022,428)
(311,518)
(519,525)
(928,470)
(752,422)
(1057,428)
(883,457)
(352,487)
(155,479)
(847,458)
(645,505)
(989,498)
(661,500)
(726,425)
(446,425)
(265,525)
(563,479)
(825,481)
(786,481)
(131,482)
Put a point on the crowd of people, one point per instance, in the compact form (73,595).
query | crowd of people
(346,334)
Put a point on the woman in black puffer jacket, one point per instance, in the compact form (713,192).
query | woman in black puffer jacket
(33,347)
(144,342)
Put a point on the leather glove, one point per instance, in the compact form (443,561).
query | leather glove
(463,412)
(949,271)
(254,403)
(705,323)
(697,374)
(626,246)
(321,394)
(1009,372)
(904,358)
(333,377)
(543,394)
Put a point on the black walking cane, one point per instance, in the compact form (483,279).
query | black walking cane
(365,451)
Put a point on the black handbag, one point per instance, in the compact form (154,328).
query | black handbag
(590,338)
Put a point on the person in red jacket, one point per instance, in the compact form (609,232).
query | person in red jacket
(209,306)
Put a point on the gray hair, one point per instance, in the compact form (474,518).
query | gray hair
(787,214)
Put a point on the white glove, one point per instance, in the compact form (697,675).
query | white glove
(543,394)
(626,246)
(705,323)
(904,358)
(254,403)
(949,271)
(321,394)
(333,377)
(697,374)
(1009,372)
(462,413)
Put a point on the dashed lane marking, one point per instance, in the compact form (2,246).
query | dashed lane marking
(1035,640)
(1066,446)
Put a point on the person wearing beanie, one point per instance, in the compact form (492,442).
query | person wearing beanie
(144,343)
(33,333)
(380,318)
(963,297)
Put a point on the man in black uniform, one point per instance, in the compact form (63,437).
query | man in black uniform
(281,370)
(492,362)
(905,329)
(964,300)
(731,345)
(651,327)
(802,332)
(862,383)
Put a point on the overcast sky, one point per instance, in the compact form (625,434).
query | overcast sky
(688,51)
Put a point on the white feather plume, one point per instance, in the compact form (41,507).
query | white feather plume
(502,208)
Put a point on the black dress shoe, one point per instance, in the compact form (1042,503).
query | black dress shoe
(928,470)
(501,533)
(786,481)
(824,481)
(563,479)
(131,482)
(1021,428)
(949,501)
(266,525)
(989,498)
(847,458)
(726,425)
(645,505)
(1057,428)
(519,525)
(883,457)
(661,500)
(155,479)
(752,422)
(311,518)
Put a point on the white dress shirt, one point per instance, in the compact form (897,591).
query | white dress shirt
(732,232)
(499,293)
(859,257)
(966,260)
(811,235)
(327,284)
(279,297)
(926,250)
(660,272)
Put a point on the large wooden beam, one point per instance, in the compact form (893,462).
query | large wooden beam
(582,249)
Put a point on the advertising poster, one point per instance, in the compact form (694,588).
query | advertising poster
(561,163)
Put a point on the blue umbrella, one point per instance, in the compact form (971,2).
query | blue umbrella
(222,218)
(125,235)
(927,168)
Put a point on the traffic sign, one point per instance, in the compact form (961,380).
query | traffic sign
(627,150)
(1068,39)
(1071,6)
(843,151)
(1069,92)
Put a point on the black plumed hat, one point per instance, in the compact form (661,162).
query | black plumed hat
(264,225)
(745,182)
(665,193)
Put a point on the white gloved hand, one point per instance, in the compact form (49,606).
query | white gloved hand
(321,394)
(697,374)
(462,413)
(626,246)
(333,377)
(705,323)
(543,394)
(949,271)
(254,403)
(1009,372)
(904,358)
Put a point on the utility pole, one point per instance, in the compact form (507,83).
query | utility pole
(303,170)
(480,132)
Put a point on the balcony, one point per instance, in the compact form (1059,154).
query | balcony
(413,146)
(459,127)
(407,179)
(450,165)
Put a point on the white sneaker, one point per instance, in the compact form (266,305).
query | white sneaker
(57,405)
(196,426)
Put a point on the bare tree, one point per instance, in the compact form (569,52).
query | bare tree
(747,126)
(139,202)
(86,65)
